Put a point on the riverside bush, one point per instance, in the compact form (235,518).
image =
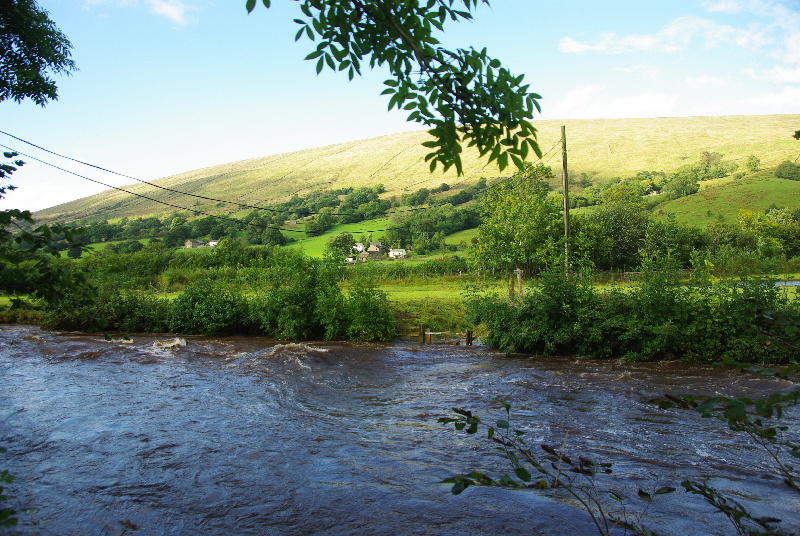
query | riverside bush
(209,308)
(660,318)
(134,312)
(371,315)
(287,308)
(303,300)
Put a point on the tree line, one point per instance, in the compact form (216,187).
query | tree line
(522,227)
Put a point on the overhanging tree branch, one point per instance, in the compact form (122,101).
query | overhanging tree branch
(465,97)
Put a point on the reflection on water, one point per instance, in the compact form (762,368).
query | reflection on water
(248,436)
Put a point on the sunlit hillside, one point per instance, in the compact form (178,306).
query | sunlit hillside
(601,148)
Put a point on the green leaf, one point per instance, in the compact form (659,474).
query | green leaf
(250,5)
(460,485)
(503,424)
(736,410)
(522,474)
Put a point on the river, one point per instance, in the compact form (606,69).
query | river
(247,436)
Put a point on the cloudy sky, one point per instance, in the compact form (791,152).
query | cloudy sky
(166,86)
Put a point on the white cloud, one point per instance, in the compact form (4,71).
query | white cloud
(47,194)
(706,80)
(596,102)
(609,43)
(650,72)
(785,101)
(780,74)
(724,6)
(782,101)
(678,35)
(176,11)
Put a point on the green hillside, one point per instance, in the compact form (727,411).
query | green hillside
(723,201)
(601,148)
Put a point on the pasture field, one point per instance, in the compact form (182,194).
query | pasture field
(315,246)
(725,199)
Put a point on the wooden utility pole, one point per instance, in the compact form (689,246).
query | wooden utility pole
(566,195)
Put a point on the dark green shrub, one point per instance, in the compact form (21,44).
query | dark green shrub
(209,308)
(134,312)
(331,308)
(74,311)
(660,318)
(788,170)
(371,317)
(287,309)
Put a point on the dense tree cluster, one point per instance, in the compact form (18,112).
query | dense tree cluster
(788,170)
(522,228)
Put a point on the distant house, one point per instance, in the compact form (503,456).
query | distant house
(212,243)
(376,250)
(397,254)
(191,244)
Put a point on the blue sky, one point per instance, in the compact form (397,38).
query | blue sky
(166,86)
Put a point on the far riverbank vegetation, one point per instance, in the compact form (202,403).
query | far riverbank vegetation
(639,285)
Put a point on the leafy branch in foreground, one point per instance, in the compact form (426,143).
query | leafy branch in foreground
(464,96)
(8,516)
(553,472)
(32,48)
(746,524)
(760,419)
(29,257)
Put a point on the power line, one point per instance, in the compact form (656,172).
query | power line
(198,212)
(205,198)
(542,159)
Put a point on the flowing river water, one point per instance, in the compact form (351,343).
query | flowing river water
(241,436)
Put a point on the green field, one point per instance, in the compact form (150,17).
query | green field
(726,198)
(315,246)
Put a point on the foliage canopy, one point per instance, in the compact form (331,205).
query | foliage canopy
(32,48)
(521,223)
(465,96)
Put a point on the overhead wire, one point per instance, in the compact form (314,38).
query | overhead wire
(179,192)
(542,159)
(195,211)
(205,198)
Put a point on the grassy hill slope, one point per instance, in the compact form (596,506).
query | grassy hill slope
(601,148)
(724,200)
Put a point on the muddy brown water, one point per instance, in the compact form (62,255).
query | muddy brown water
(233,436)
